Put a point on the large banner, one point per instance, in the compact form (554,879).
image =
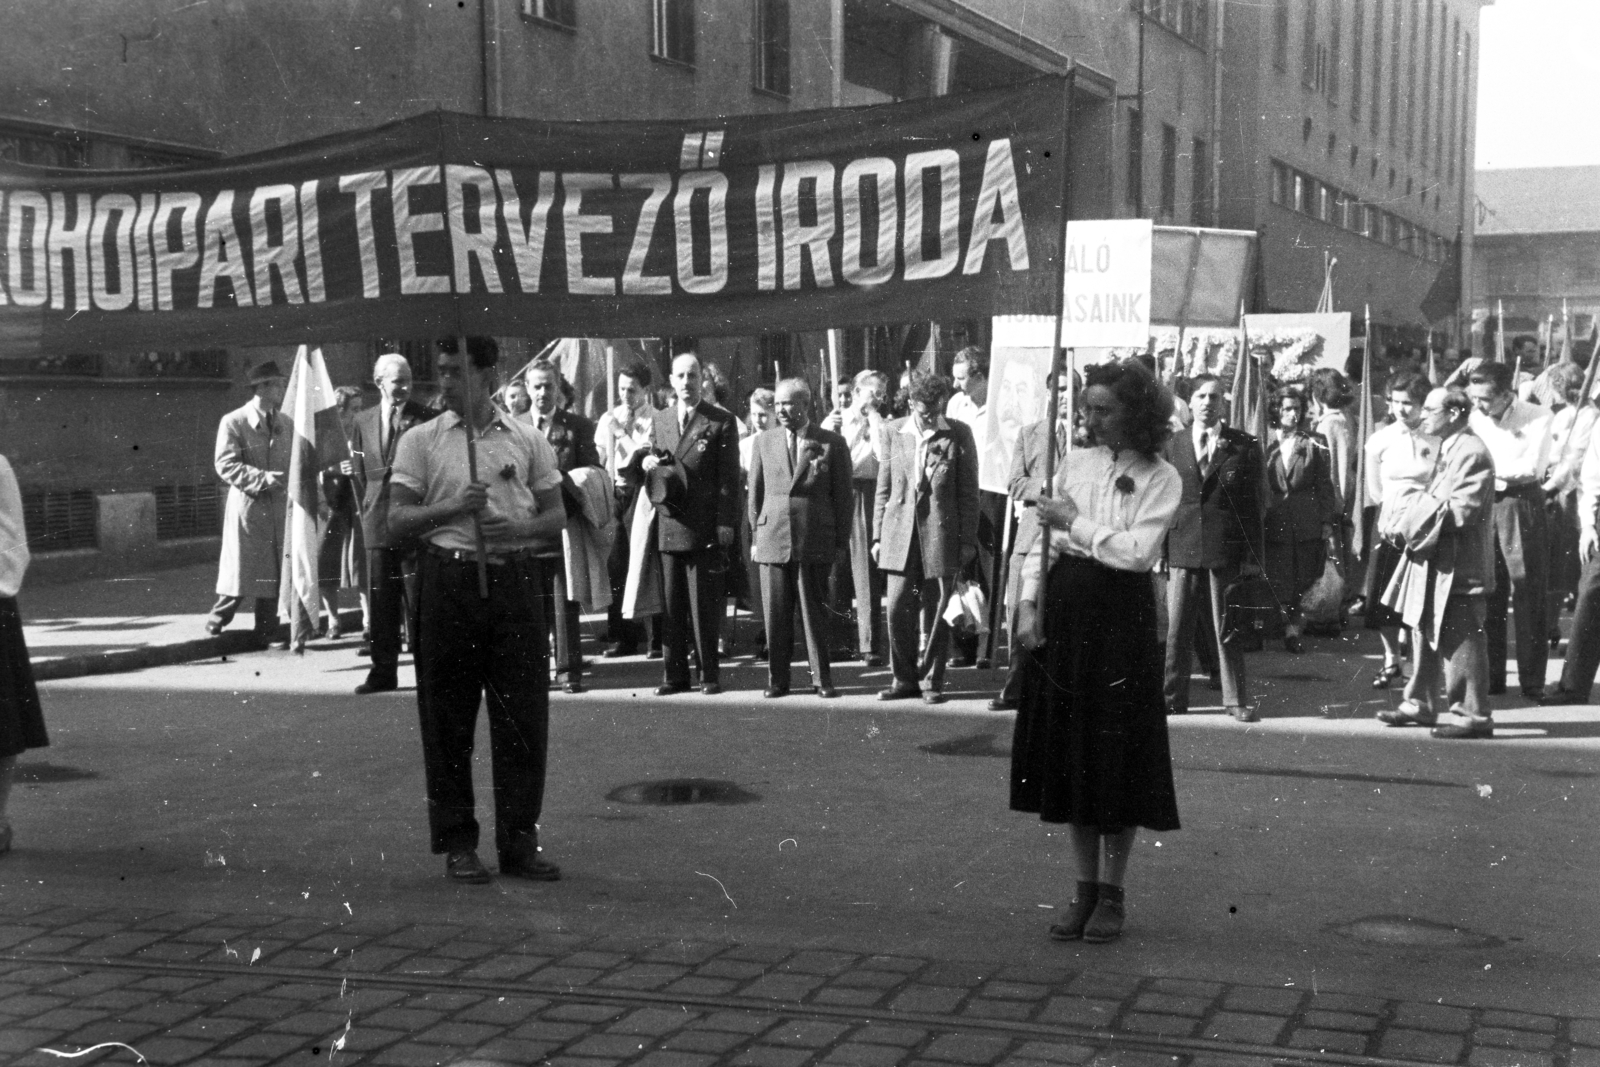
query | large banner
(946,208)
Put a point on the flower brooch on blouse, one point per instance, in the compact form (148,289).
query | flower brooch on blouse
(509,471)
(1124,485)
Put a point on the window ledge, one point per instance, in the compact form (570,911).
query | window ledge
(70,381)
(549,24)
(668,61)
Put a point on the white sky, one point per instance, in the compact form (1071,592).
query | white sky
(1537,83)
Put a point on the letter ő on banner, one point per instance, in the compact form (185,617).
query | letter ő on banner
(1107,275)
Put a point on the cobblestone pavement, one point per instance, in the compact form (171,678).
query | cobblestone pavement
(255,989)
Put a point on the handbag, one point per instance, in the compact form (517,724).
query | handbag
(1250,612)
(1323,601)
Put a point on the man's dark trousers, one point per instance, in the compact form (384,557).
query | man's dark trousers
(391,593)
(692,609)
(781,585)
(471,647)
(1521,572)
(1583,651)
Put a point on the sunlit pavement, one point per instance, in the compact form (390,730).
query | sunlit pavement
(1341,892)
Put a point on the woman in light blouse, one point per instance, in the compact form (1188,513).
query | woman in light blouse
(1090,747)
(1400,459)
(21,720)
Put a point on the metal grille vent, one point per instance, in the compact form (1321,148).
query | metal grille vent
(188,510)
(58,519)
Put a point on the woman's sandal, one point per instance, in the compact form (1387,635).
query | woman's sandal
(1389,674)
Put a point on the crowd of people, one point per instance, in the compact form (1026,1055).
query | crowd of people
(481,528)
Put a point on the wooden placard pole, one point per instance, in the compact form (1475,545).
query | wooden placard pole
(1058,357)
(468,370)
(611,379)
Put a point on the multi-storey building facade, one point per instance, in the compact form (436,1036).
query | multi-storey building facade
(1340,124)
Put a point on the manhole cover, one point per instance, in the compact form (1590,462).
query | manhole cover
(49,772)
(672,791)
(1405,930)
(970,745)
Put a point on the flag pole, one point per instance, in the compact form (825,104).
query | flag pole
(1058,352)
(1363,431)
(472,466)
(1500,334)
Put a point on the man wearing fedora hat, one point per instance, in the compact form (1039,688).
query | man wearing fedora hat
(252,456)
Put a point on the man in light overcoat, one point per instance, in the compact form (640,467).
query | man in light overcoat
(252,456)
(925,530)
(800,506)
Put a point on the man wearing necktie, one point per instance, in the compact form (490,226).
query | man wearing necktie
(1215,538)
(800,498)
(391,562)
(1026,484)
(252,456)
(694,525)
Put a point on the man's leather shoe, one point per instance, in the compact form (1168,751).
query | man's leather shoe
(1002,704)
(1498,690)
(899,692)
(932,696)
(984,664)
(464,865)
(214,629)
(773,692)
(653,653)
(572,687)
(872,661)
(1214,682)
(1244,713)
(760,655)
(1464,729)
(278,646)
(670,690)
(536,869)
(378,682)
(826,692)
(619,650)
(963,661)
(1407,714)
(1292,643)
(1533,693)
(365,649)
(711,689)
(1556,698)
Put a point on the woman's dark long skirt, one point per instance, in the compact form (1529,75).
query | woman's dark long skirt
(1382,562)
(1090,746)
(21,720)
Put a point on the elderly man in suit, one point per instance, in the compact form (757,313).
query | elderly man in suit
(1215,538)
(391,580)
(573,438)
(800,500)
(925,530)
(1025,484)
(1448,571)
(252,456)
(1517,434)
(693,466)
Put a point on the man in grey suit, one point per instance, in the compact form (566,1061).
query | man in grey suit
(1215,538)
(1025,485)
(1447,606)
(925,530)
(800,499)
(391,590)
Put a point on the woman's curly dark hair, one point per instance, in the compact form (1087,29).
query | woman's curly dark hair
(1330,388)
(929,389)
(1146,406)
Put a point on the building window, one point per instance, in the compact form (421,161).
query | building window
(1309,51)
(1358,27)
(1324,203)
(1441,111)
(1466,99)
(55,519)
(1280,184)
(1394,76)
(1377,64)
(62,149)
(1411,88)
(1136,160)
(1280,34)
(1188,19)
(562,13)
(672,31)
(1200,185)
(1169,172)
(189,510)
(1335,31)
(772,46)
(1302,194)
(1426,113)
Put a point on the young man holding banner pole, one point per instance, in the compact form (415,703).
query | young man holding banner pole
(483,625)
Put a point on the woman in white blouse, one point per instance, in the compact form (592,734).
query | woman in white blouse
(1090,747)
(1400,460)
(21,721)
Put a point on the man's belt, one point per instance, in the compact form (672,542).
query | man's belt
(1532,490)
(495,559)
